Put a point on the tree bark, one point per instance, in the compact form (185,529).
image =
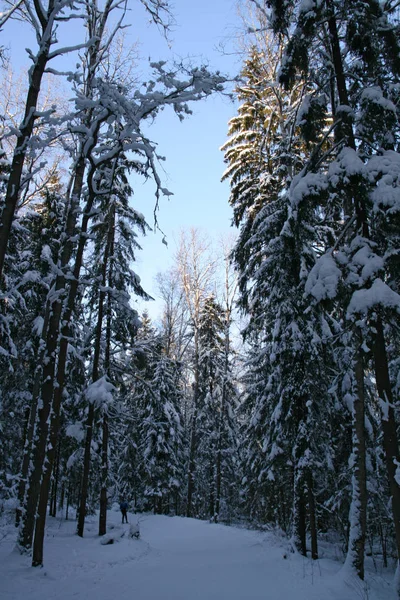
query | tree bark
(86,469)
(192,463)
(299,513)
(89,424)
(388,421)
(53,501)
(107,366)
(358,510)
(25,131)
(312,516)
(104,474)
(193,434)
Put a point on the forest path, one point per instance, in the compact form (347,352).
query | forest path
(174,559)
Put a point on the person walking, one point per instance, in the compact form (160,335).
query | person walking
(124,508)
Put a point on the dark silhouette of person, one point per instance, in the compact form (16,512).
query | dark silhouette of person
(124,508)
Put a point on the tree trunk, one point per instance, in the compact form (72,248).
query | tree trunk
(89,429)
(211,501)
(53,502)
(390,442)
(312,516)
(62,496)
(299,513)
(107,361)
(25,131)
(218,478)
(192,464)
(193,435)
(30,427)
(104,475)
(68,501)
(86,469)
(358,510)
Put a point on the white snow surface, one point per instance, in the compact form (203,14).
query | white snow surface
(175,559)
(379,294)
(324,278)
(100,393)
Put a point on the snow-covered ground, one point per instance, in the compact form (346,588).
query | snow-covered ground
(174,559)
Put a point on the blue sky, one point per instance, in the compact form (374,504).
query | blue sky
(194,164)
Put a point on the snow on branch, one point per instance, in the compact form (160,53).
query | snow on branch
(4,16)
(379,294)
(324,277)
(100,393)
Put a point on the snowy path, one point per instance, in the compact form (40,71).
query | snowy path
(175,559)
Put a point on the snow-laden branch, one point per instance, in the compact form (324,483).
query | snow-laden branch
(4,16)
(67,49)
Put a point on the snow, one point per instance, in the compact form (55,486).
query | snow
(308,6)
(323,279)
(370,262)
(397,474)
(100,393)
(385,169)
(347,165)
(76,431)
(379,294)
(37,327)
(374,94)
(175,559)
(303,186)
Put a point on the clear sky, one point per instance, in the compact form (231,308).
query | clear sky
(194,164)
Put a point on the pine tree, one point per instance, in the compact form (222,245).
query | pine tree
(356,84)
(115,321)
(274,254)
(162,436)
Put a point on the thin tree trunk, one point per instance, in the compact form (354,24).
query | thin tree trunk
(355,555)
(25,130)
(62,496)
(218,481)
(107,361)
(30,428)
(193,435)
(53,502)
(95,377)
(68,501)
(104,473)
(192,464)
(299,513)
(312,516)
(358,510)
(86,469)
(211,503)
(218,478)
(389,428)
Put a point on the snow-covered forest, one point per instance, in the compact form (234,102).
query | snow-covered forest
(293,423)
